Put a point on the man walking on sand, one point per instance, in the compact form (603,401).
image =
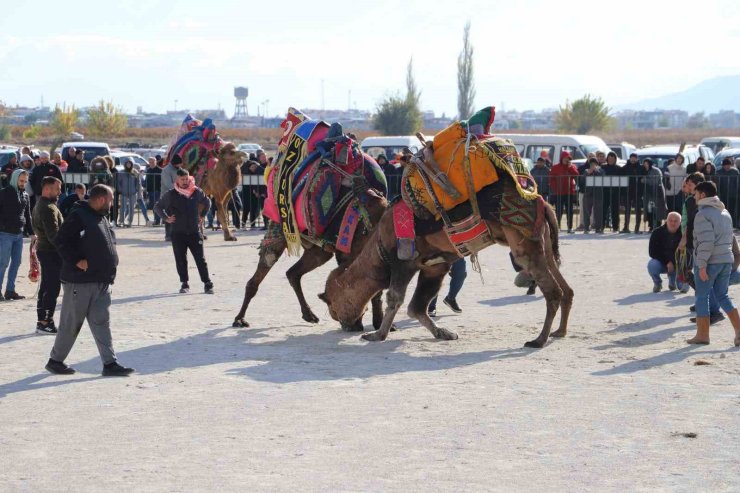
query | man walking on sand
(87,245)
(713,239)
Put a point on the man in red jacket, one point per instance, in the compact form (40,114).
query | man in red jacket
(563,188)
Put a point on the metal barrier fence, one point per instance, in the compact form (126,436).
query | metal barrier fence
(636,203)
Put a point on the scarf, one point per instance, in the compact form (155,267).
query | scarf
(189,190)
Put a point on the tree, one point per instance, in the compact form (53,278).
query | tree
(697,120)
(106,120)
(63,120)
(31,132)
(413,95)
(396,116)
(584,115)
(465,83)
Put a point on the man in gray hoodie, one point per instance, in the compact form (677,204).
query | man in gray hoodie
(713,259)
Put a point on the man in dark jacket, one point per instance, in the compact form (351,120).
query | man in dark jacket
(728,181)
(183,208)
(252,193)
(541,174)
(153,182)
(67,203)
(47,219)
(8,169)
(44,168)
(633,197)
(87,245)
(15,221)
(74,164)
(610,210)
(663,244)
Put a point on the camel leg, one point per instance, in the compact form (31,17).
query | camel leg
(565,303)
(377,306)
(400,278)
(268,258)
(310,260)
(427,287)
(223,217)
(537,266)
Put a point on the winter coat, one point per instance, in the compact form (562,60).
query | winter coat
(40,172)
(663,244)
(15,212)
(713,234)
(47,219)
(654,192)
(74,165)
(675,177)
(635,171)
(562,179)
(87,235)
(541,176)
(185,210)
(591,191)
(128,183)
(153,179)
(728,182)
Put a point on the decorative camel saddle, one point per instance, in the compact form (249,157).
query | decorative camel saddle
(444,180)
(197,143)
(315,189)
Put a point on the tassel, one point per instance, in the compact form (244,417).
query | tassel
(475,262)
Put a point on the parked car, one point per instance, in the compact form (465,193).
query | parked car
(731,152)
(5,153)
(120,157)
(661,154)
(390,146)
(622,150)
(91,149)
(719,143)
(249,148)
(530,146)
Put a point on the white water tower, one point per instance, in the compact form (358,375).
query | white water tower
(240,110)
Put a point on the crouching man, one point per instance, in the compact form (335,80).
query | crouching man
(663,244)
(87,245)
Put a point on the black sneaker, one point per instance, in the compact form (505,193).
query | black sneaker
(116,370)
(47,329)
(692,308)
(184,288)
(531,289)
(452,304)
(208,288)
(58,368)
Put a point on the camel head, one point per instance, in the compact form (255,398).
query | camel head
(230,156)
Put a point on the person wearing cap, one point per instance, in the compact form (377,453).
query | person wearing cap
(43,169)
(128,185)
(675,175)
(541,174)
(728,181)
(563,188)
(633,199)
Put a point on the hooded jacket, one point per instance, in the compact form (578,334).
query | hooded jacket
(40,172)
(15,208)
(563,177)
(128,183)
(713,236)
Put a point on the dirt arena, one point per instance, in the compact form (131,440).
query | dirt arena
(621,404)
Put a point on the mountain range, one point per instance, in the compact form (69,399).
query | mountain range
(709,96)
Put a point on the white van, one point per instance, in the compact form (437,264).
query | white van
(719,143)
(390,146)
(91,149)
(530,146)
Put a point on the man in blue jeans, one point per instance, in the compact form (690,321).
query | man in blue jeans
(458,274)
(15,220)
(663,243)
(713,260)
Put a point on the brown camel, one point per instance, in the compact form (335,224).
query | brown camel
(350,287)
(313,256)
(221,180)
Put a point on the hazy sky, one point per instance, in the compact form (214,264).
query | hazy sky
(529,54)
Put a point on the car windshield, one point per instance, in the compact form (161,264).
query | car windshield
(92,152)
(588,148)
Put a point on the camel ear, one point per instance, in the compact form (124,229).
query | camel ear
(373,193)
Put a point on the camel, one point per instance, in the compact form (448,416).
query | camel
(349,287)
(221,180)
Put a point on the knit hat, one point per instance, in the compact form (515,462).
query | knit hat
(44,154)
(26,157)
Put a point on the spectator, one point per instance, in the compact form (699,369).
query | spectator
(697,166)
(100,171)
(56,158)
(563,188)
(545,154)
(252,193)
(15,221)
(392,175)
(610,210)
(160,161)
(47,219)
(601,158)
(87,245)
(713,239)
(458,274)
(169,175)
(592,198)
(662,250)
(675,175)
(44,168)
(728,181)
(634,171)
(26,162)
(654,195)
(74,165)
(540,173)
(68,202)
(184,207)
(7,170)
(153,184)
(129,186)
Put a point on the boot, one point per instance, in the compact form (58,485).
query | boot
(702,331)
(735,319)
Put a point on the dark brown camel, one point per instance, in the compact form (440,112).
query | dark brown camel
(313,257)
(350,287)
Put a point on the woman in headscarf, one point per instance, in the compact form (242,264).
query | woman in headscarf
(654,196)
(15,221)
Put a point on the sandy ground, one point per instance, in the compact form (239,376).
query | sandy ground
(289,406)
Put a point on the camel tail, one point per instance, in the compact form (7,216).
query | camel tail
(554,236)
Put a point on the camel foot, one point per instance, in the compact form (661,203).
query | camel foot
(232,238)
(445,335)
(310,317)
(537,344)
(559,333)
(375,336)
(697,340)
(240,322)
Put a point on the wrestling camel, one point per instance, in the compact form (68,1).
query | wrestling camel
(221,180)
(377,267)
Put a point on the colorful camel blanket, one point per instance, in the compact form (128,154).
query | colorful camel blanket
(315,187)
(197,144)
